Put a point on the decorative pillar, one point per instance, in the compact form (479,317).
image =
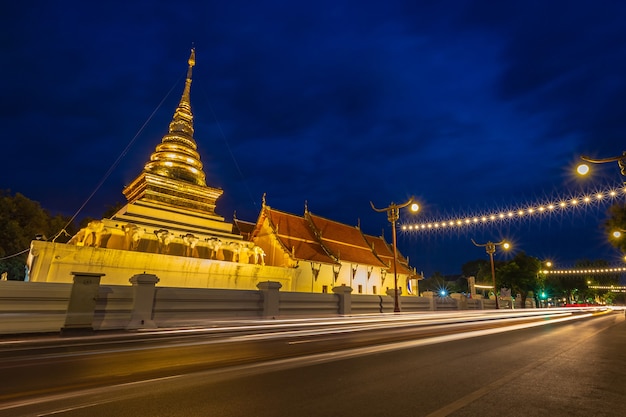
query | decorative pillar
(82,303)
(345,299)
(271,298)
(471,284)
(143,301)
(430,296)
(395,294)
(461,301)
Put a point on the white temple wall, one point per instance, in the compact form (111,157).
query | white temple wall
(54,262)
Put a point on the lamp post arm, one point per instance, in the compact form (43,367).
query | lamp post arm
(478,244)
(392,206)
(603,160)
(379,210)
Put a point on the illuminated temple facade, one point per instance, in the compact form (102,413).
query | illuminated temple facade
(169,228)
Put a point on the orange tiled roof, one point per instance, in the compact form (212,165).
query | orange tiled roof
(243,228)
(314,238)
(345,242)
(297,237)
(385,252)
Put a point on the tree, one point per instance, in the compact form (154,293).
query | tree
(473,268)
(602,279)
(521,275)
(480,269)
(21,221)
(574,287)
(436,284)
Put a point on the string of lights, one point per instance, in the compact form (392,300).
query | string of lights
(585,271)
(611,288)
(528,211)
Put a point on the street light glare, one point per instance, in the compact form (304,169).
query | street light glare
(506,245)
(617,234)
(582,169)
(415,207)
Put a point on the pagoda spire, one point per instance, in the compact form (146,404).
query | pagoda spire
(176,157)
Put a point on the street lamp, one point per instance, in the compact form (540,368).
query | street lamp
(583,169)
(547,265)
(393,214)
(542,294)
(490,247)
(617,233)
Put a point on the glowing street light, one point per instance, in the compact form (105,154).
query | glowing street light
(547,265)
(490,247)
(545,271)
(393,214)
(583,169)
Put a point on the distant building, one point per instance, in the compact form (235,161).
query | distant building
(169,228)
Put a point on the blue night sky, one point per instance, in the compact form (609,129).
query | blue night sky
(470,106)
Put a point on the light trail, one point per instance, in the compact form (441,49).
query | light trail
(295,328)
(83,399)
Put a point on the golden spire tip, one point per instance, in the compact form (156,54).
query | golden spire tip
(192,57)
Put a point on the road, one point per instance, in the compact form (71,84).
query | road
(469,364)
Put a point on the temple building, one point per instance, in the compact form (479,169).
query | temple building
(169,228)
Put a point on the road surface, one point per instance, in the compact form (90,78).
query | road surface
(468,364)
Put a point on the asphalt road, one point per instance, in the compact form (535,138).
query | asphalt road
(570,368)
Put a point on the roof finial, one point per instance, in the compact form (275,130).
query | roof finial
(185,101)
(191,62)
(306,206)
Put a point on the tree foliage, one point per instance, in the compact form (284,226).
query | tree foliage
(21,221)
(524,276)
(521,275)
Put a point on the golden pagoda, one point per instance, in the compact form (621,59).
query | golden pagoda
(173,184)
(174,175)
(170,210)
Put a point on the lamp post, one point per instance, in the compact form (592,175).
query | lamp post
(583,169)
(541,274)
(393,214)
(490,247)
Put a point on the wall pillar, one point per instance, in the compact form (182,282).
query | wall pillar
(271,298)
(143,301)
(345,299)
(391,292)
(431,300)
(461,301)
(82,304)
